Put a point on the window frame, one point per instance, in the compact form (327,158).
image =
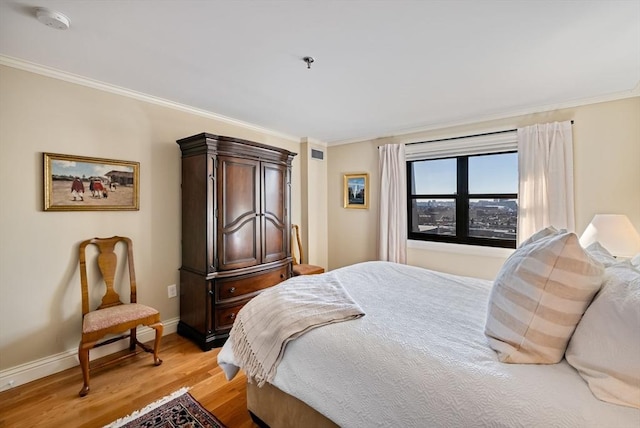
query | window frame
(461,198)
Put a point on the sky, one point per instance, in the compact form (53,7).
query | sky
(87,169)
(487,174)
(356,183)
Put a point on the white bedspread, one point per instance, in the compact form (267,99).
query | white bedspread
(420,359)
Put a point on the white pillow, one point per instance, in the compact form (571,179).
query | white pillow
(601,254)
(538,297)
(605,348)
(636,261)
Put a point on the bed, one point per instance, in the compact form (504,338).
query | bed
(418,358)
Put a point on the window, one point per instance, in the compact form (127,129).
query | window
(466,199)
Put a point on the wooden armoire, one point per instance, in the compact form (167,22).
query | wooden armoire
(236,226)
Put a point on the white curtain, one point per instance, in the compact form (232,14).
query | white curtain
(392,231)
(545,168)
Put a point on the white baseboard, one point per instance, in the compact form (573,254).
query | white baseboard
(46,366)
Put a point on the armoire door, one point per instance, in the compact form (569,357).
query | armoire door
(274,224)
(238,210)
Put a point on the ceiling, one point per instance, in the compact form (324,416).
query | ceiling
(381,67)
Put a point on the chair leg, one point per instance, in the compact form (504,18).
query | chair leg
(159,328)
(133,340)
(83,356)
(156,345)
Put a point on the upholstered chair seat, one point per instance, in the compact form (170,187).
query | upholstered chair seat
(116,315)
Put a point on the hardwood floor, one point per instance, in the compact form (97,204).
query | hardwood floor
(120,388)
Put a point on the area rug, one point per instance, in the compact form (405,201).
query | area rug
(178,410)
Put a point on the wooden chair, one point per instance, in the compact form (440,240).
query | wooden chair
(112,316)
(301,268)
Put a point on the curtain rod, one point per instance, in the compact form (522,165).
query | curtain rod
(466,136)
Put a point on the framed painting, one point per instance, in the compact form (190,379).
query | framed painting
(356,190)
(77,183)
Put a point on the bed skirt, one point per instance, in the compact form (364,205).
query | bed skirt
(277,409)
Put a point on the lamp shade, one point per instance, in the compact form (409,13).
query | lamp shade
(614,232)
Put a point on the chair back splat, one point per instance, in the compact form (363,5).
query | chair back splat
(112,316)
(300,268)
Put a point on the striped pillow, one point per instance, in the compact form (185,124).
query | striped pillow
(538,298)
(542,234)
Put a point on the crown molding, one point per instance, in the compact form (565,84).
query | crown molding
(635,92)
(95,84)
(313,142)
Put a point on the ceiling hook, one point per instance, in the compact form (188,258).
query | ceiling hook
(308,60)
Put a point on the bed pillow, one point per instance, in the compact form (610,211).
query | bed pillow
(541,234)
(601,254)
(636,261)
(538,298)
(605,348)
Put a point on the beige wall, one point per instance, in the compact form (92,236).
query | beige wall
(39,281)
(314,204)
(607,180)
(352,232)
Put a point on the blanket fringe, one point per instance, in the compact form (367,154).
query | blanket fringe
(243,351)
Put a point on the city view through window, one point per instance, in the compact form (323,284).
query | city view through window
(433,212)
(496,218)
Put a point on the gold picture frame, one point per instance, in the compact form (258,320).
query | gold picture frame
(78,183)
(356,190)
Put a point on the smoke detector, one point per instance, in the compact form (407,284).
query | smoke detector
(52,19)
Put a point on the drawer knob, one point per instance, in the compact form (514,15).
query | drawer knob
(232,316)
(232,290)
(282,276)
(211,292)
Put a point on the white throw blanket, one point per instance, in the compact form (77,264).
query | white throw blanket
(282,313)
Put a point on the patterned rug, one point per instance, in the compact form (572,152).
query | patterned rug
(178,410)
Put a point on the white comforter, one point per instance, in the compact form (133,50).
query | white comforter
(419,358)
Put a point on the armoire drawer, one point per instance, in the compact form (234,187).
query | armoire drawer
(226,316)
(229,289)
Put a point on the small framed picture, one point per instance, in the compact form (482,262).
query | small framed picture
(77,183)
(356,190)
